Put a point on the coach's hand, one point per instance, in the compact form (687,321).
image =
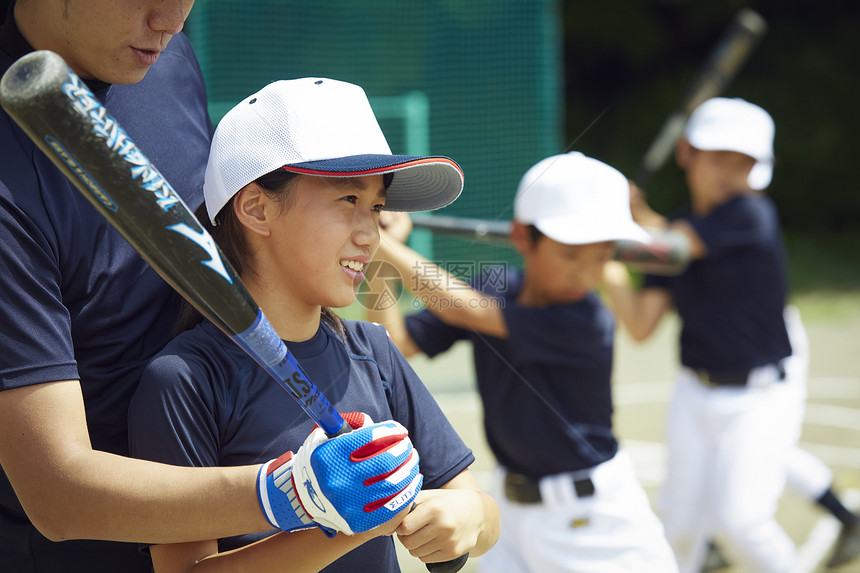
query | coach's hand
(351,483)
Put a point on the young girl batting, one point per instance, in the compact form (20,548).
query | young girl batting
(297,178)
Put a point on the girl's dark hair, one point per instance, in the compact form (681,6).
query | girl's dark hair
(534,234)
(230,238)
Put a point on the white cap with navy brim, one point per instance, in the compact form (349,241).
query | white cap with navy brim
(576,200)
(321,127)
(734,124)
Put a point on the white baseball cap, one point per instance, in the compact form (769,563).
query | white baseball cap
(323,127)
(734,124)
(576,200)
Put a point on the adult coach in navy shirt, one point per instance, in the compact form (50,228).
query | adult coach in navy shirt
(82,313)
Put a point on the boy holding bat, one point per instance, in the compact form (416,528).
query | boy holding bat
(543,345)
(82,313)
(735,415)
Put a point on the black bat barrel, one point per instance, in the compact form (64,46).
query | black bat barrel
(68,123)
(60,114)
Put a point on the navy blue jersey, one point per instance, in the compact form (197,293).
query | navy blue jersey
(204,402)
(731,301)
(546,389)
(77,300)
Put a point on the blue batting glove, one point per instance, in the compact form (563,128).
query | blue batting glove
(351,483)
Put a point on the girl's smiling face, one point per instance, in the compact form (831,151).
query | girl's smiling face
(324,237)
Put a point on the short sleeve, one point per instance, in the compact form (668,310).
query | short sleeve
(744,221)
(171,417)
(432,335)
(36,337)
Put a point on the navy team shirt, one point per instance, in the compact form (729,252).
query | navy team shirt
(77,301)
(546,389)
(731,301)
(204,402)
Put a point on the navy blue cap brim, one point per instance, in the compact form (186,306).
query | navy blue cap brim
(419,183)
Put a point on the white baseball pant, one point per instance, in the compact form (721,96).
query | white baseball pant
(726,470)
(612,531)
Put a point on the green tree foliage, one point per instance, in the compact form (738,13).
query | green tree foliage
(629,63)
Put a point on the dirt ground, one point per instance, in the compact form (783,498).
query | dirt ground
(642,385)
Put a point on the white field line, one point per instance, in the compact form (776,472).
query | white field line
(658,392)
(830,415)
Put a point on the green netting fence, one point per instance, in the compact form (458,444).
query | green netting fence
(479,81)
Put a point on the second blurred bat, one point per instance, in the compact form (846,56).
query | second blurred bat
(722,65)
(667,254)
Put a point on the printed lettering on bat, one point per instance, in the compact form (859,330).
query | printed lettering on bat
(104,126)
(299,385)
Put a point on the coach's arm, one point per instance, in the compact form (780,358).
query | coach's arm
(70,490)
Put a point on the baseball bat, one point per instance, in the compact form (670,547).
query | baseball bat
(722,65)
(667,254)
(61,115)
(481,230)
(66,121)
